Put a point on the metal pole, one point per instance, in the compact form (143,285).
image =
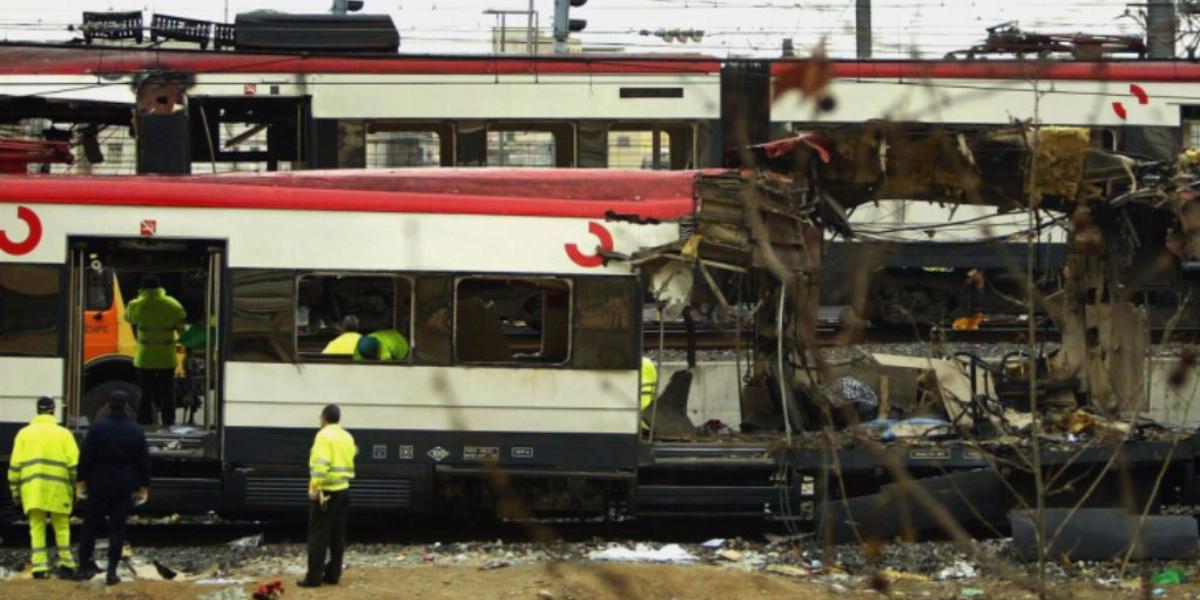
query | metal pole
(862,28)
(783,383)
(530,32)
(1160,28)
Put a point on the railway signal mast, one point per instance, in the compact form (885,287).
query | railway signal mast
(564,24)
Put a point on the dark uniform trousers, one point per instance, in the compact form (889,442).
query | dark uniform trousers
(158,390)
(117,509)
(327,532)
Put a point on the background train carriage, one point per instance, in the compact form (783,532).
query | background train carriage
(526,346)
(205,110)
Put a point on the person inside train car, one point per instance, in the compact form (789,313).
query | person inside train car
(156,318)
(385,345)
(114,474)
(648,389)
(331,467)
(345,343)
(41,476)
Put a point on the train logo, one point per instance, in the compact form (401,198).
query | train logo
(1138,92)
(591,260)
(32,239)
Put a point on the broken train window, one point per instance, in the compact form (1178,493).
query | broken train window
(29,310)
(325,300)
(506,320)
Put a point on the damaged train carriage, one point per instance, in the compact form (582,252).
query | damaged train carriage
(525,342)
(757,239)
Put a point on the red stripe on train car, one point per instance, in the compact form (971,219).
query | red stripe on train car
(543,193)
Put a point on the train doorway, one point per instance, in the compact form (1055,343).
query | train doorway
(105,275)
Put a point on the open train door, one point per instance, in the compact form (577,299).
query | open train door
(104,274)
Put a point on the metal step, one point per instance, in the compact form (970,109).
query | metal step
(684,454)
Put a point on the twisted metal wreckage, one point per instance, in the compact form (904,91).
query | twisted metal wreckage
(754,250)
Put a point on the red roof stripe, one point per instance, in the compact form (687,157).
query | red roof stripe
(34,59)
(670,197)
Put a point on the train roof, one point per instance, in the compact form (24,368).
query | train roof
(18,58)
(579,193)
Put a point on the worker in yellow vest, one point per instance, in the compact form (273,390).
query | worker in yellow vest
(41,479)
(156,318)
(385,345)
(648,388)
(331,467)
(347,342)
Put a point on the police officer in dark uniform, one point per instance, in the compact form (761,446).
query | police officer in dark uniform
(114,472)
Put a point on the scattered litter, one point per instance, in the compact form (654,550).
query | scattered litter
(961,569)
(164,571)
(245,543)
(294,570)
(491,566)
(972,592)
(219,581)
(730,555)
(1173,575)
(1160,592)
(643,553)
(269,591)
(787,570)
(714,543)
(229,593)
(894,575)
(545,595)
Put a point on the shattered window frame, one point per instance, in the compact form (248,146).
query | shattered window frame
(515,360)
(407,328)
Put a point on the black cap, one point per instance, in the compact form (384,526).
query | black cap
(45,404)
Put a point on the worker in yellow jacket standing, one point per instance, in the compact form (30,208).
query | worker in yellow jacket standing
(156,317)
(649,387)
(331,467)
(41,479)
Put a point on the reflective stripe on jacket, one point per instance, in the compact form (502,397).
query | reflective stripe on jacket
(42,469)
(156,315)
(331,461)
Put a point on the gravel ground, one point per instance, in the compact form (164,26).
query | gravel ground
(771,569)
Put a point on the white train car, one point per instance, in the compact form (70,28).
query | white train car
(526,343)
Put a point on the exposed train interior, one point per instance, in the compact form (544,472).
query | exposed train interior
(105,276)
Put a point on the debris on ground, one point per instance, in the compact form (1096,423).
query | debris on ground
(643,553)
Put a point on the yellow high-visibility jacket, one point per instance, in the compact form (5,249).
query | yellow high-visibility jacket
(331,460)
(156,316)
(649,382)
(42,469)
(346,344)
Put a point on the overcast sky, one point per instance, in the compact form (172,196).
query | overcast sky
(732,27)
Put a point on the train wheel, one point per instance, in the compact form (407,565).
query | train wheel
(95,398)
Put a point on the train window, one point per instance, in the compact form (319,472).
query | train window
(328,306)
(523,148)
(409,144)
(262,312)
(512,320)
(634,149)
(29,310)
(607,327)
(99,289)
(1191,134)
